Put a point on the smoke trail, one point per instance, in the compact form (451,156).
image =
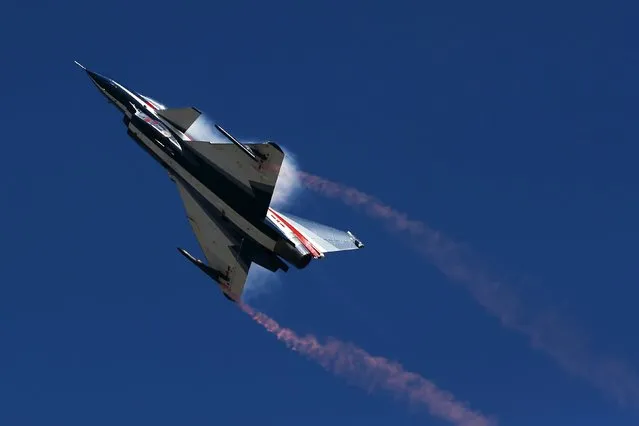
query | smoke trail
(547,332)
(370,372)
(260,280)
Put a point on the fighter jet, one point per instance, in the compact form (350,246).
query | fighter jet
(226,189)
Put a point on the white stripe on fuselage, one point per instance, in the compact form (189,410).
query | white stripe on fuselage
(218,203)
(133,95)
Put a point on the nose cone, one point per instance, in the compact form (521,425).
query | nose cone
(103,83)
(112,91)
(99,80)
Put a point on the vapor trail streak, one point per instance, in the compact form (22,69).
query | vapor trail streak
(547,332)
(370,372)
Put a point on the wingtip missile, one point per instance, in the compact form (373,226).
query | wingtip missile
(356,240)
(187,255)
(213,273)
(221,279)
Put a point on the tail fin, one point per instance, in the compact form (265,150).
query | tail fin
(321,238)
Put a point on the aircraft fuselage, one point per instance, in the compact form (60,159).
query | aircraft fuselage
(221,198)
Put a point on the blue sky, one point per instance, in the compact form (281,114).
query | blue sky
(509,129)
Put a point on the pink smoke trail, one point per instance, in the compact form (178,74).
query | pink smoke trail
(547,332)
(370,372)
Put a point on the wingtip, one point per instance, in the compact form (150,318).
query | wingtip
(358,243)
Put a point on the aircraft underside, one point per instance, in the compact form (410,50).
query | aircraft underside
(226,190)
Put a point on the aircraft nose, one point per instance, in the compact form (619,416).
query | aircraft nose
(99,80)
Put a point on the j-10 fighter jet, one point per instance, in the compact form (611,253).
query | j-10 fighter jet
(226,190)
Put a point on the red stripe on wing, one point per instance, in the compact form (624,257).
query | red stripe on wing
(305,242)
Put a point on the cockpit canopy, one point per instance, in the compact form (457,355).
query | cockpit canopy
(152,102)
